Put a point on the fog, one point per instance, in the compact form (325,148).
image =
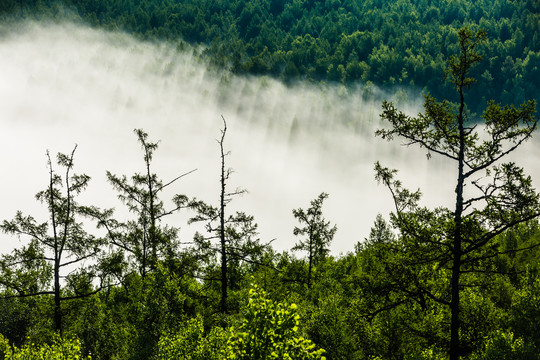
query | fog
(66,84)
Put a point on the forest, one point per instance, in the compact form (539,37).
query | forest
(386,43)
(431,283)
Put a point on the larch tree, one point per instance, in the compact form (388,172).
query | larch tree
(500,196)
(236,233)
(143,238)
(55,247)
(317,231)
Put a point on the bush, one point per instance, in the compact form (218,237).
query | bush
(269,331)
(60,349)
(191,344)
(503,346)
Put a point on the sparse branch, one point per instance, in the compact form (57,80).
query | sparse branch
(370,316)
(79,259)
(416,130)
(82,296)
(435,298)
(493,160)
(24,295)
(489,235)
(121,184)
(170,212)
(476,259)
(173,181)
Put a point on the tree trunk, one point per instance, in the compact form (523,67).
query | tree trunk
(310,256)
(455,348)
(224,282)
(152,234)
(57,309)
(454,308)
(58,245)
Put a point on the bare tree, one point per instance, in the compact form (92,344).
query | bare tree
(236,233)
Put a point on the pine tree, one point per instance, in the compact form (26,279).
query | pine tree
(318,231)
(500,195)
(56,245)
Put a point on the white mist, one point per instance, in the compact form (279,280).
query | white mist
(67,84)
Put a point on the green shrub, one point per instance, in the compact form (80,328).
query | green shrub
(191,343)
(503,346)
(60,349)
(269,331)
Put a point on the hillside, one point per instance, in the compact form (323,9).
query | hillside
(388,43)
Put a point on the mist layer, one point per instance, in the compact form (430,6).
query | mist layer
(66,84)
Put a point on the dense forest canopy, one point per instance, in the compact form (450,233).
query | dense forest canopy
(388,43)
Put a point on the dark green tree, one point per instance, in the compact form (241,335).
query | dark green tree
(55,246)
(381,232)
(317,231)
(500,196)
(144,238)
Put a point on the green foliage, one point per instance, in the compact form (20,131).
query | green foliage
(270,330)
(389,43)
(328,327)
(504,346)
(59,349)
(390,299)
(524,315)
(126,322)
(143,239)
(191,343)
(444,251)
(60,241)
(428,354)
(317,230)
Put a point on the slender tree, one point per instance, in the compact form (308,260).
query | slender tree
(501,195)
(319,233)
(235,233)
(55,246)
(143,238)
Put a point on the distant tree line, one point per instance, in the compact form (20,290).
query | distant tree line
(387,43)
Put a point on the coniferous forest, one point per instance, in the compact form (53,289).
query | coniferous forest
(457,282)
(386,43)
